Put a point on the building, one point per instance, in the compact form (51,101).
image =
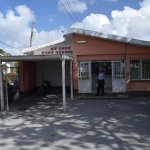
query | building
(125,61)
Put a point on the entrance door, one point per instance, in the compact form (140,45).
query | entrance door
(104,65)
(84,82)
(118,77)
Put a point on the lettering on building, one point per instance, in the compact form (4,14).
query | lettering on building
(57,50)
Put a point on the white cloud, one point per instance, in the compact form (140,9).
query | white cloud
(145,3)
(14,26)
(95,1)
(133,23)
(47,36)
(71,6)
(94,22)
(15,30)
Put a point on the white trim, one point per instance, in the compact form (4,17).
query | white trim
(63,85)
(35,57)
(85,86)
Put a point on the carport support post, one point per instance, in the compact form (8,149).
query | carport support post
(63,84)
(71,80)
(1,87)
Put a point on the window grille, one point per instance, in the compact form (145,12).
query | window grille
(118,69)
(146,69)
(140,69)
(83,71)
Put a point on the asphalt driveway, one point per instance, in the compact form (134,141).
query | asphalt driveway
(88,124)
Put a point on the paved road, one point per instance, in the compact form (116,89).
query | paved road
(87,125)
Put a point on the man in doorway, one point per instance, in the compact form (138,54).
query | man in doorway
(101,83)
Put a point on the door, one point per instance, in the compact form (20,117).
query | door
(84,77)
(118,77)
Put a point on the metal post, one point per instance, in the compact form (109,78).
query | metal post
(63,84)
(71,80)
(6,95)
(1,88)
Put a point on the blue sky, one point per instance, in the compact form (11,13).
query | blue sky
(109,16)
(48,16)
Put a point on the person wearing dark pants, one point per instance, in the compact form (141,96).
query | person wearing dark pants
(101,83)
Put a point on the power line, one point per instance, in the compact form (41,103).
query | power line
(19,39)
(9,45)
(72,9)
(67,11)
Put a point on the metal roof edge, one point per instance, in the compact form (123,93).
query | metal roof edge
(106,36)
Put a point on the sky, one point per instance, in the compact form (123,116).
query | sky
(128,18)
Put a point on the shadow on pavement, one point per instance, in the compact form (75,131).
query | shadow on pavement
(87,124)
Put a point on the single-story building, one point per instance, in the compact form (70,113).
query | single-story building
(125,61)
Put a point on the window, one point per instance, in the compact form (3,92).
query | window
(84,71)
(140,69)
(118,69)
(146,69)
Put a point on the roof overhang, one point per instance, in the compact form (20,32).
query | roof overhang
(32,49)
(35,58)
(68,33)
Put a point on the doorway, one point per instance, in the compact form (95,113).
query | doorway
(106,66)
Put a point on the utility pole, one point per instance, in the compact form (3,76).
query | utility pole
(32,33)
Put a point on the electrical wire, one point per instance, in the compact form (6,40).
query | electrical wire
(10,45)
(68,2)
(72,9)
(67,11)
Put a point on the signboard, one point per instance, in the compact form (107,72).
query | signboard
(57,50)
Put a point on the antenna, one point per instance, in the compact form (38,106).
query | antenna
(32,33)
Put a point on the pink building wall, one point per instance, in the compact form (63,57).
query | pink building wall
(102,49)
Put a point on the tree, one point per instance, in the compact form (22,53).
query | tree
(4,53)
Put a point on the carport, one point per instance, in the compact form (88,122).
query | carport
(61,58)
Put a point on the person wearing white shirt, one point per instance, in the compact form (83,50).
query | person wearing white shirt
(101,83)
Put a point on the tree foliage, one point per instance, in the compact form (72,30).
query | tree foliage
(4,53)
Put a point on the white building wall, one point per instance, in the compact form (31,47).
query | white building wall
(55,49)
(52,71)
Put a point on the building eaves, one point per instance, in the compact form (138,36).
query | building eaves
(105,36)
(34,58)
(31,49)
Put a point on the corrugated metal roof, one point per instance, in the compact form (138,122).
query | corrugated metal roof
(106,36)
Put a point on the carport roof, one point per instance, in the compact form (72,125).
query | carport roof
(35,57)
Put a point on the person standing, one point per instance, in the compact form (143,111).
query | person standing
(101,83)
